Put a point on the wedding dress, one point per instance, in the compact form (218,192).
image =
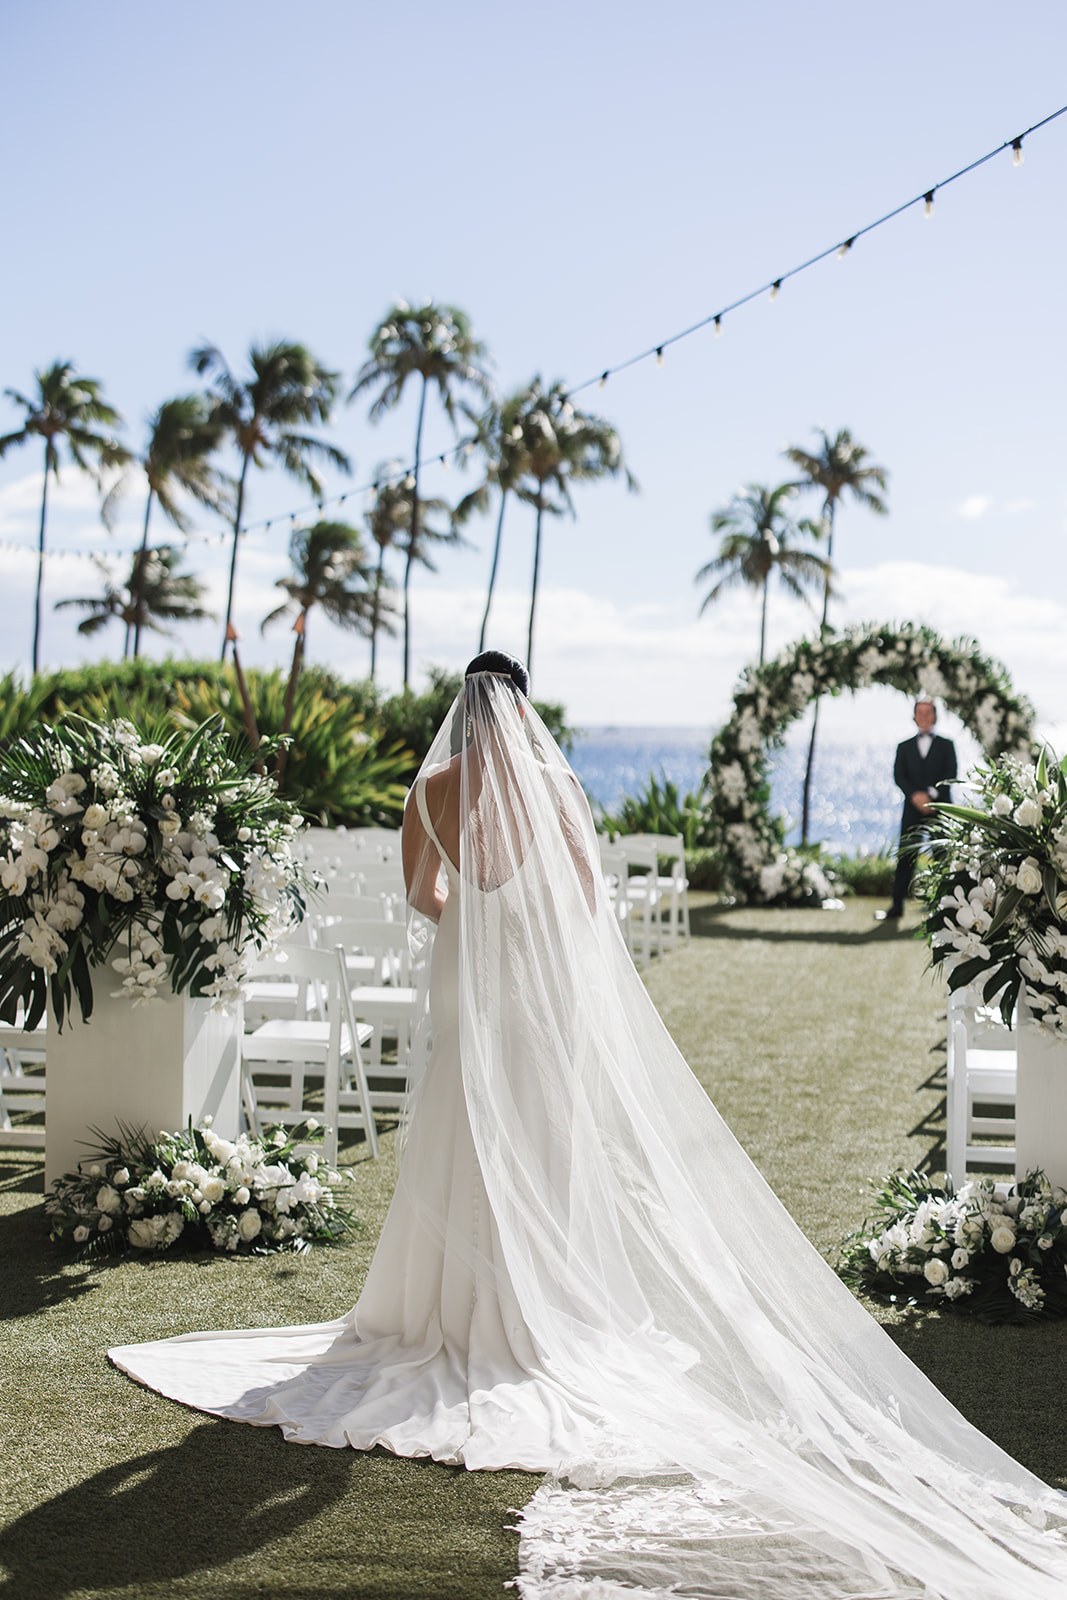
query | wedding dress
(582,1274)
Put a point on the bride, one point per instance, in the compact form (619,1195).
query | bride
(582,1274)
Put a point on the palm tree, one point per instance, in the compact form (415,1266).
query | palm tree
(288,389)
(561,446)
(69,408)
(757,531)
(183,434)
(837,467)
(434,343)
(154,590)
(498,433)
(330,569)
(387,520)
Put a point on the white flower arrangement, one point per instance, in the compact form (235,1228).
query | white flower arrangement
(170,862)
(241,1196)
(997,890)
(999,1253)
(757,865)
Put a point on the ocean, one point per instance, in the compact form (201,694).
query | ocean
(855,804)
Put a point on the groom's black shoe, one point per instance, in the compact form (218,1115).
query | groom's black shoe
(894,914)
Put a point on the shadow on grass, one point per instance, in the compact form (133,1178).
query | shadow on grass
(224,1492)
(710,922)
(22,1171)
(1008,1381)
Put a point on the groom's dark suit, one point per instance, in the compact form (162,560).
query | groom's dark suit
(912,771)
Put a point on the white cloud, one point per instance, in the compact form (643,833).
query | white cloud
(975,505)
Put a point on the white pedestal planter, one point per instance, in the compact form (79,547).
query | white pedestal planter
(1041,1101)
(152,1066)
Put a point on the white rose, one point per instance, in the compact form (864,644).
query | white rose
(95,817)
(81,1233)
(141,1234)
(1002,1239)
(1045,1242)
(122,1175)
(960,1259)
(935,1271)
(213,1189)
(1028,876)
(204,1207)
(1015,1266)
(104,1224)
(108,1199)
(244,834)
(150,754)
(241,1196)
(1028,813)
(249,1223)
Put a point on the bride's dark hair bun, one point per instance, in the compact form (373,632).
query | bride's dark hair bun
(498,661)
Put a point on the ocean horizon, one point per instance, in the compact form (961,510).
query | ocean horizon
(855,805)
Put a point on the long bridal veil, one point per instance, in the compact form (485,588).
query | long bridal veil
(749,1431)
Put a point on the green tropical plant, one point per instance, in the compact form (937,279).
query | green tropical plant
(263,415)
(71,409)
(339,770)
(660,808)
(499,435)
(154,591)
(183,435)
(560,445)
(331,571)
(835,469)
(433,343)
(756,532)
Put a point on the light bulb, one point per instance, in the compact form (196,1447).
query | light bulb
(776,288)
(603,381)
(1017,157)
(718,327)
(843,249)
(444,462)
(928,204)
(659,356)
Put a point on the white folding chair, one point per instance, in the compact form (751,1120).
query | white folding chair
(981,1070)
(641,893)
(22,1091)
(282,1054)
(673,886)
(615,870)
(394,1014)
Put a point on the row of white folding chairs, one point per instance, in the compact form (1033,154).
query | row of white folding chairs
(293,998)
(649,903)
(22,1091)
(982,1067)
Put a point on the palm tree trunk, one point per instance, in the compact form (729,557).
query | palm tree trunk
(492,571)
(246,699)
(805,808)
(375,612)
(536,571)
(138,585)
(233,557)
(763,618)
(40,563)
(413,538)
(300,629)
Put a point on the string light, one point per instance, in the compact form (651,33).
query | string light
(467,446)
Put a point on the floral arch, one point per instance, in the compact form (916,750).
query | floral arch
(757,865)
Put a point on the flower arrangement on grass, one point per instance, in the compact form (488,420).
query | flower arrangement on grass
(202,1192)
(999,1254)
(757,865)
(997,890)
(171,861)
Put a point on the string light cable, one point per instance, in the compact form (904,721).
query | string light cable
(841,248)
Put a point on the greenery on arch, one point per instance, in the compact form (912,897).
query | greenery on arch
(757,865)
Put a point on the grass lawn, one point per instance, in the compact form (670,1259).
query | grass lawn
(821,1040)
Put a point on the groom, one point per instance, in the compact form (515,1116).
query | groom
(924,768)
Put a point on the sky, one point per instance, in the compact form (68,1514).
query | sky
(584,180)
